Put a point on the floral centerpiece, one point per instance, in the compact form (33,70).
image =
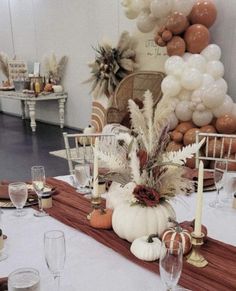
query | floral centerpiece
(155,175)
(111,65)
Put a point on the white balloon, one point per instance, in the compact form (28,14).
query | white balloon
(213,96)
(198,62)
(186,56)
(144,4)
(183,110)
(174,66)
(201,107)
(197,95)
(202,118)
(131,14)
(145,22)
(170,86)
(173,121)
(224,108)
(212,52)
(184,94)
(216,69)
(161,8)
(222,84)
(131,8)
(191,79)
(207,80)
(183,6)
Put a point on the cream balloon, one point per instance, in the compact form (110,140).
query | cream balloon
(212,52)
(197,95)
(191,79)
(222,84)
(202,118)
(170,86)
(215,69)
(225,108)
(198,62)
(131,8)
(201,107)
(173,121)
(183,111)
(183,6)
(144,4)
(186,56)
(174,65)
(145,23)
(184,94)
(213,96)
(207,80)
(161,8)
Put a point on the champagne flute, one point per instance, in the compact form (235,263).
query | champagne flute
(220,170)
(38,181)
(55,253)
(171,262)
(18,194)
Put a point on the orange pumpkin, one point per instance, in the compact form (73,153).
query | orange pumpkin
(48,88)
(179,234)
(101,218)
(189,225)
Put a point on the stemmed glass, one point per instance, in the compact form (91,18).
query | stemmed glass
(220,170)
(38,181)
(24,279)
(82,176)
(18,194)
(171,262)
(55,253)
(3,255)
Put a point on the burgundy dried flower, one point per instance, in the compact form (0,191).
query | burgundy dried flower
(146,196)
(143,158)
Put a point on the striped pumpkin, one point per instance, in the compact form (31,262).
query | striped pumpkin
(178,234)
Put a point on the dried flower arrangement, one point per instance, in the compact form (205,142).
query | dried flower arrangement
(54,69)
(142,158)
(4,64)
(111,65)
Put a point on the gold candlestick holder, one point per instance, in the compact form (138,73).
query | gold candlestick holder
(195,258)
(96,204)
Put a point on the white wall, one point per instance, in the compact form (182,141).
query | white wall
(72,27)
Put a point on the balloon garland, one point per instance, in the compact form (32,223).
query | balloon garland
(194,71)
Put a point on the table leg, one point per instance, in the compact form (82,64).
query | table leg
(23,112)
(61,111)
(31,105)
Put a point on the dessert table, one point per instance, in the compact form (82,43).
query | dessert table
(89,264)
(28,104)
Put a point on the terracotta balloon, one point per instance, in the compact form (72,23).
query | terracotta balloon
(177,23)
(159,41)
(203,12)
(176,47)
(197,37)
(167,35)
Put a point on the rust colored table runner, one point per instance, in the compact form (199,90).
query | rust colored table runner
(71,208)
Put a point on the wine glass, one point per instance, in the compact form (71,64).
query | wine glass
(171,262)
(55,253)
(220,170)
(38,181)
(3,255)
(24,279)
(18,194)
(82,176)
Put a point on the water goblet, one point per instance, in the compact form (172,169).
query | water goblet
(38,181)
(3,255)
(220,170)
(24,279)
(82,176)
(55,253)
(18,194)
(171,262)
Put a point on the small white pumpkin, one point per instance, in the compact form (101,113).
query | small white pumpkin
(133,221)
(146,248)
(87,140)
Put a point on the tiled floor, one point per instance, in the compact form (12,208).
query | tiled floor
(20,148)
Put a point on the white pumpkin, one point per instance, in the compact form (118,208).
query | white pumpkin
(133,221)
(146,248)
(87,140)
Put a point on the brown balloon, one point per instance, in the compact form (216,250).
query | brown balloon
(176,47)
(167,35)
(197,37)
(159,41)
(177,23)
(204,12)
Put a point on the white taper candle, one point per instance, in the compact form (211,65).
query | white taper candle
(95,169)
(198,216)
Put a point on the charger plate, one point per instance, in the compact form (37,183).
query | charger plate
(5,203)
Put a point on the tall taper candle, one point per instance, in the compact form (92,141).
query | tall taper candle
(198,217)
(95,170)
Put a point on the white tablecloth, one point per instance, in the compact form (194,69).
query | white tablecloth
(89,264)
